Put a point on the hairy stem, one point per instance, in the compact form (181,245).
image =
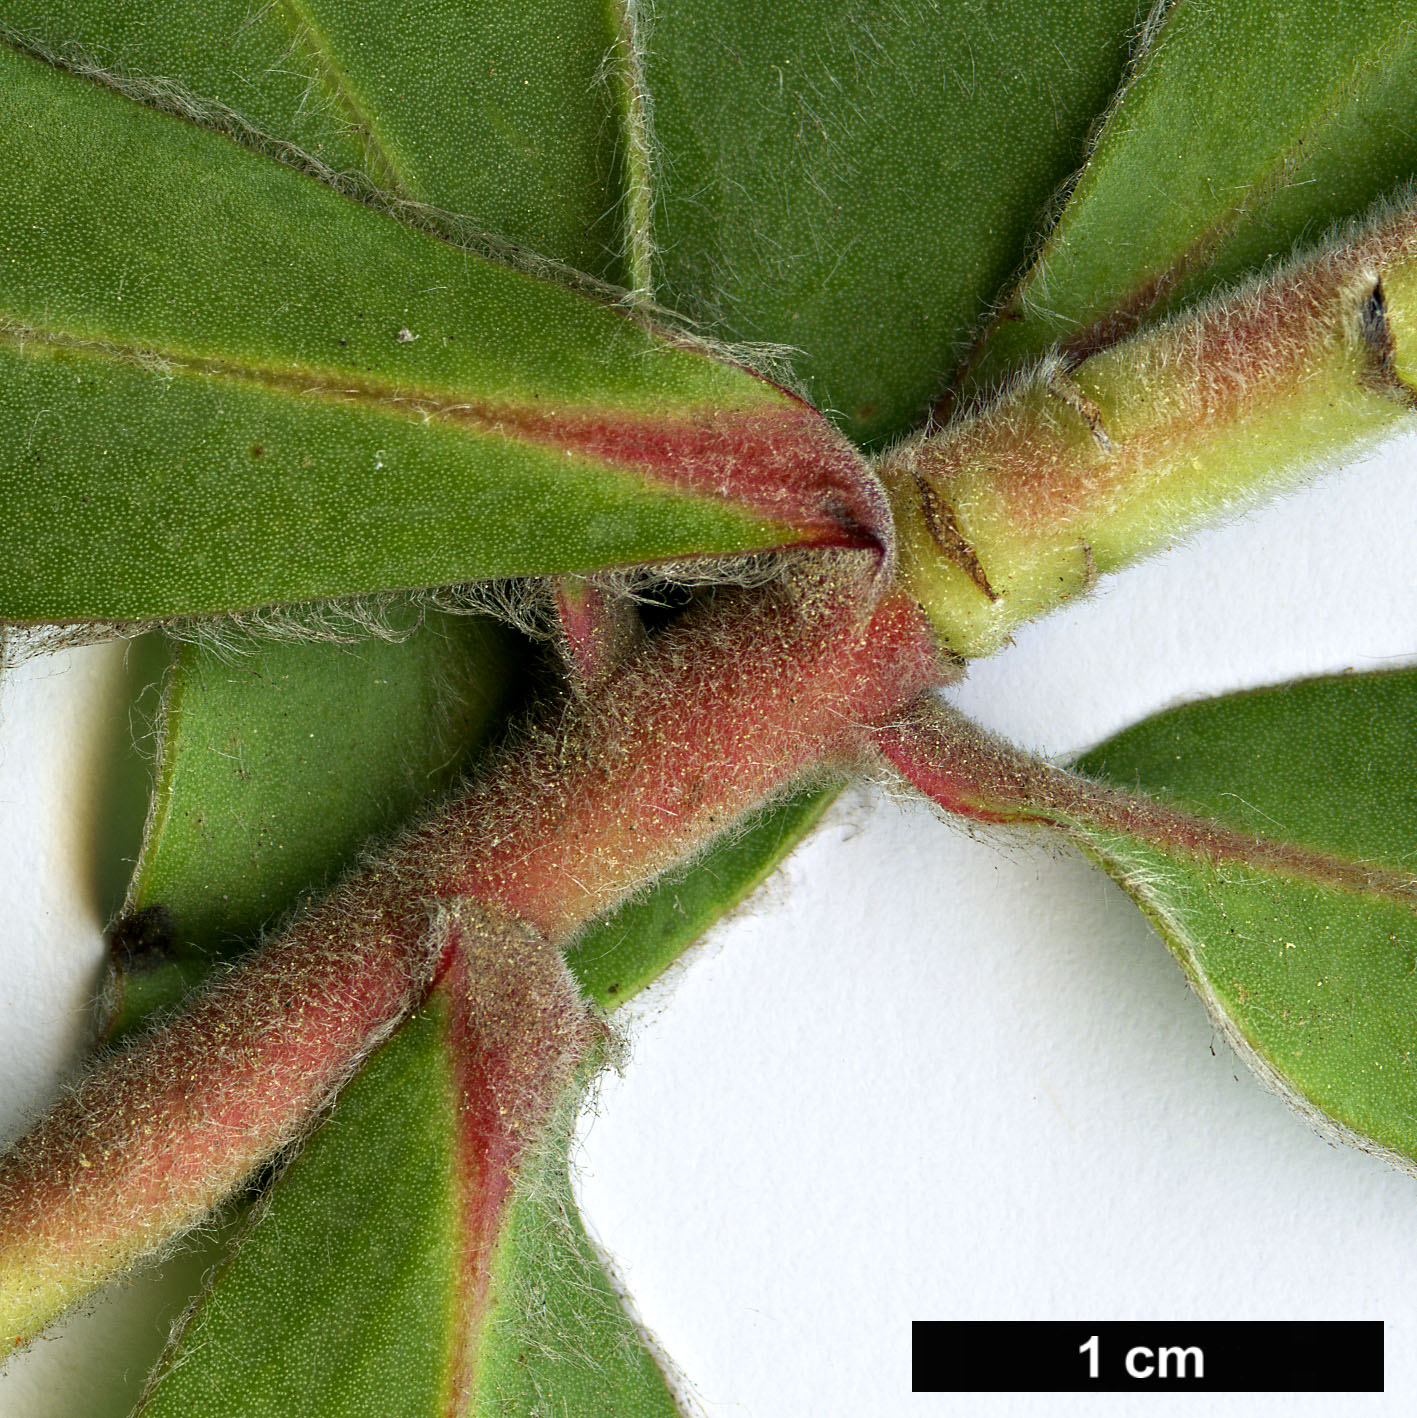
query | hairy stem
(161,1132)
(1081,468)
(710,718)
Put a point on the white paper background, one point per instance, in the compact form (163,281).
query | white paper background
(930,1075)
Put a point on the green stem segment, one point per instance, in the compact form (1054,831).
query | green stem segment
(1078,470)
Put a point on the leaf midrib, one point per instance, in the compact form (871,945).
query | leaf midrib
(319,52)
(416,404)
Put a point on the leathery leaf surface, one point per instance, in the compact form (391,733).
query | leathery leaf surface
(228,384)
(1316,984)
(1249,127)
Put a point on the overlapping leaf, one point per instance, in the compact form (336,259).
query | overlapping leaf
(503,113)
(858,181)
(277,763)
(345,1318)
(1308,959)
(619,954)
(228,384)
(271,392)
(346,1297)
(337,1337)
(1250,126)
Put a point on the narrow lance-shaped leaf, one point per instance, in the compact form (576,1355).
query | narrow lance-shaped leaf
(620,953)
(1249,127)
(261,390)
(1273,855)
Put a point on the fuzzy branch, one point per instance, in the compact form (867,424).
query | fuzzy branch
(713,716)
(1082,467)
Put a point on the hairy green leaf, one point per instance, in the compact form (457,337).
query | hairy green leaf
(1249,126)
(277,763)
(560,1334)
(500,112)
(228,384)
(390,1273)
(236,768)
(1307,959)
(619,954)
(858,181)
(338,1301)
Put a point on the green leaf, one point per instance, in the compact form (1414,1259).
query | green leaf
(354,1289)
(337,1302)
(560,1335)
(1309,961)
(236,770)
(226,54)
(499,112)
(620,953)
(858,181)
(1250,126)
(228,384)
(277,762)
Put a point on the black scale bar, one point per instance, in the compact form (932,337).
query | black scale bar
(1060,1356)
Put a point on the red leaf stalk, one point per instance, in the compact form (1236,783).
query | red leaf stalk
(977,776)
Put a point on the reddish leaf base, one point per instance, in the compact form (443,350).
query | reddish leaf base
(519,1037)
(971,773)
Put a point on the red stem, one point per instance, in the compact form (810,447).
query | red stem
(717,714)
(711,717)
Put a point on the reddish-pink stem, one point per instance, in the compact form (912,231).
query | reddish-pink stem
(161,1132)
(710,718)
(713,717)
